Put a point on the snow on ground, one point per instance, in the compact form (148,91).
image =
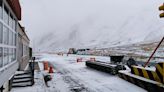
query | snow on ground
(76,76)
(70,76)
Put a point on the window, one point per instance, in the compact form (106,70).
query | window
(21,49)
(10,55)
(11,21)
(24,50)
(14,39)
(14,25)
(6,35)
(0,9)
(6,15)
(14,54)
(6,56)
(1,59)
(10,38)
(1,32)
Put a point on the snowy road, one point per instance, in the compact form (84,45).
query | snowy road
(71,76)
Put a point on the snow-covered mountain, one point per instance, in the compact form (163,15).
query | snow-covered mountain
(101,24)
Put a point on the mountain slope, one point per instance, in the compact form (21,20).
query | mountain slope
(103,24)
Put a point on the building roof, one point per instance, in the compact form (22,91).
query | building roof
(15,6)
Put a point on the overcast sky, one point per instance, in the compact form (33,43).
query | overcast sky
(41,16)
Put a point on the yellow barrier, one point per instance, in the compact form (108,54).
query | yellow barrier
(157,75)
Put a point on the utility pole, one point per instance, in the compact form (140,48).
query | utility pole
(161,15)
(154,52)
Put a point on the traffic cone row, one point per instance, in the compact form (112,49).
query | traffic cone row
(47,68)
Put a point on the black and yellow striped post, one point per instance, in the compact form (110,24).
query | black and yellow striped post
(160,71)
(153,81)
(157,75)
(152,75)
(150,86)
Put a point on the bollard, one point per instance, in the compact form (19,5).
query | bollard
(51,70)
(47,78)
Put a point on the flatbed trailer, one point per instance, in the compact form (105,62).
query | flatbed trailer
(113,67)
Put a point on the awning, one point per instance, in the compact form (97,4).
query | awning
(15,6)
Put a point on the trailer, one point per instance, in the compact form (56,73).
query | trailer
(113,67)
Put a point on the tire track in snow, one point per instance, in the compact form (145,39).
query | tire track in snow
(74,83)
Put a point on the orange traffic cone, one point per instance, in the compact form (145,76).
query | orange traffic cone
(79,59)
(51,70)
(45,65)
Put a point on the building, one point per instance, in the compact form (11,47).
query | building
(23,46)
(10,14)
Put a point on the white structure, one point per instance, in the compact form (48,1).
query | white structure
(10,13)
(23,46)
